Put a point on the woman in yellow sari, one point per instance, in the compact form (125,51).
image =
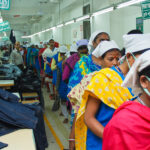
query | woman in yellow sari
(111,54)
(104,94)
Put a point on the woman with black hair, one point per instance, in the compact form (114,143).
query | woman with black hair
(130,126)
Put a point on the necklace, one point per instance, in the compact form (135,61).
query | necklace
(139,100)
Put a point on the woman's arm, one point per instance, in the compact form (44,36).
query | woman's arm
(92,108)
(72,135)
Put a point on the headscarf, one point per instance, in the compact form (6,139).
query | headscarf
(63,49)
(132,78)
(135,43)
(93,36)
(73,48)
(82,42)
(104,47)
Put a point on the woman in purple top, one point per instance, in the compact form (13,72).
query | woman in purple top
(75,53)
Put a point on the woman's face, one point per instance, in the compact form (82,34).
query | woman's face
(101,37)
(111,59)
(83,52)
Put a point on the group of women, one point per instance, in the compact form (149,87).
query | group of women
(109,92)
(102,85)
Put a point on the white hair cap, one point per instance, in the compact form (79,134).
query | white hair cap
(63,49)
(104,47)
(73,48)
(132,78)
(93,36)
(136,42)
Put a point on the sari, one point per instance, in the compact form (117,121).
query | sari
(61,86)
(105,85)
(84,66)
(75,95)
(69,66)
(129,128)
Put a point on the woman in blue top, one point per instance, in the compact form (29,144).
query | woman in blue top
(104,94)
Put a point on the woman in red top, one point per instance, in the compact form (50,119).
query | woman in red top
(129,129)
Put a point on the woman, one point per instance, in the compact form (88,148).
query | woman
(130,124)
(111,53)
(87,64)
(104,94)
(78,50)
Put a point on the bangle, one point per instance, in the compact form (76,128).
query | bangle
(71,139)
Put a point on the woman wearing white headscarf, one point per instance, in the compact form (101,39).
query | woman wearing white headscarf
(87,64)
(130,126)
(90,63)
(110,54)
(105,94)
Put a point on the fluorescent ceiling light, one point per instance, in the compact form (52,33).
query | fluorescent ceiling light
(69,22)
(42,31)
(52,28)
(24,37)
(1,20)
(82,18)
(60,25)
(131,2)
(47,30)
(103,11)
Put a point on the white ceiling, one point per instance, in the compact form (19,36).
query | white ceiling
(24,13)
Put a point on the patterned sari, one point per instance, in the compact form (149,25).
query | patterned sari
(105,85)
(84,66)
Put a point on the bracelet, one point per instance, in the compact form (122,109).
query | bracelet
(71,139)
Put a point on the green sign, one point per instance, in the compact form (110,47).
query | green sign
(139,23)
(5,4)
(4,26)
(145,6)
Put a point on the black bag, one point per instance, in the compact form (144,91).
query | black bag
(56,105)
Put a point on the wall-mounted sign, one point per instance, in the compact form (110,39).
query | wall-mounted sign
(4,26)
(139,23)
(145,6)
(5,4)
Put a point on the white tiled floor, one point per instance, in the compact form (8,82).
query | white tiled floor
(61,130)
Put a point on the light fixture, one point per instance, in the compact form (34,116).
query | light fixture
(1,20)
(82,18)
(131,2)
(60,25)
(69,22)
(52,28)
(24,37)
(103,11)
(47,30)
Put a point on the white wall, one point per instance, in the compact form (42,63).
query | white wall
(116,23)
